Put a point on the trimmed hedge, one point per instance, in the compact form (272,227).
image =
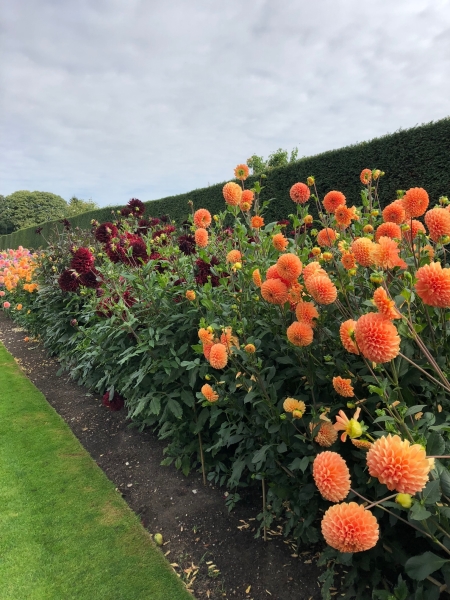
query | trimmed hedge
(416,157)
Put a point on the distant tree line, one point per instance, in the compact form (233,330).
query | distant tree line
(279,158)
(26,209)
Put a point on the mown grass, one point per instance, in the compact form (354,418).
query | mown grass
(64,531)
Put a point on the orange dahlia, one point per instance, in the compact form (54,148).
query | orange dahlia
(295,293)
(348,260)
(385,254)
(280,243)
(312,268)
(299,193)
(327,435)
(207,346)
(366,176)
(377,338)
(351,427)
(414,227)
(361,248)
(291,404)
(433,285)
(332,200)
(233,256)
(343,215)
(190,295)
(385,305)
(415,202)
(257,222)
(394,212)
(274,291)
(209,393)
(326,237)
(272,273)
(368,228)
(205,335)
(389,229)
(322,289)
(232,192)
(306,312)
(343,387)
(438,222)
(228,339)
(398,464)
(331,476)
(201,237)
(362,444)
(256,276)
(250,348)
(218,357)
(247,197)
(349,527)
(347,332)
(300,333)
(289,266)
(202,218)
(241,172)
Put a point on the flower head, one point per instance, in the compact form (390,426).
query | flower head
(362,444)
(414,226)
(295,293)
(300,333)
(232,192)
(331,476)
(218,357)
(209,393)
(347,333)
(289,266)
(377,338)
(415,202)
(385,254)
(190,295)
(306,312)
(299,193)
(105,232)
(398,464)
(202,218)
(250,348)
(332,200)
(394,212)
(389,229)
(350,427)
(257,222)
(322,289)
(280,243)
(247,198)
(349,527)
(201,237)
(274,291)
(256,276)
(205,335)
(327,435)
(348,260)
(385,305)
(366,176)
(362,249)
(343,215)
(438,222)
(233,256)
(68,281)
(82,261)
(229,340)
(6,305)
(326,237)
(137,207)
(291,404)
(433,285)
(241,172)
(312,268)
(343,387)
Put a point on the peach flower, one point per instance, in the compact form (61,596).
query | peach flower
(291,404)
(233,256)
(299,193)
(326,237)
(241,172)
(394,212)
(209,393)
(433,285)
(362,249)
(322,289)
(377,338)
(331,476)
(218,357)
(385,254)
(201,237)
(256,276)
(351,427)
(257,222)
(202,218)
(343,387)
(385,305)
(438,222)
(327,435)
(348,260)
(232,192)
(300,334)
(414,227)
(289,266)
(280,243)
(349,527)
(415,202)
(313,268)
(306,312)
(389,229)
(274,291)
(332,200)
(366,176)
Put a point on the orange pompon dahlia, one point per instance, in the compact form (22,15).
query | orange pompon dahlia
(343,387)
(218,357)
(241,172)
(300,334)
(415,202)
(349,527)
(312,268)
(433,285)
(326,237)
(202,218)
(351,427)
(256,276)
(366,176)
(250,348)
(347,333)
(299,193)
(327,435)
(438,222)
(398,464)
(257,222)
(348,260)
(429,250)
(394,212)
(322,289)
(306,312)
(201,237)
(385,254)
(280,243)
(362,248)
(377,338)
(190,295)
(272,273)
(385,305)
(295,293)
(209,393)
(291,404)
(274,291)
(414,228)
(247,197)
(368,228)
(332,200)
(343,215)
(289,266)
(232,192)
(233,256)
(205,335)
(389,229)
(331,476)
(229,340)
(207,349)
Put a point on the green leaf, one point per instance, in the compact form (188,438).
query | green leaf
(412,410)
(445,482)
(175,408)
(432,492)
(419,512)
(155,405)
(260,455)
(435,445)
(419,567)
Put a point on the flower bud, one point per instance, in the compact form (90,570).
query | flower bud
(404,500)
(310,181)
(354,429)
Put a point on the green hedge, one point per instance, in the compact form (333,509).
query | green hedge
(410,158)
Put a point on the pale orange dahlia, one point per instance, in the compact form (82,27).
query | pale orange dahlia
(348,260)
(232,192)
(349,527)
(205,335)
(415,202)
(394,212)
(322,289)
(256,276)
(385,305)
(306,312)
(295,293)
(343,387)
(343,216)
(331,476)
(368,228)
(326,237)
(327,435)
(350,427)
(218,357)
(433,285)
(228,339)
(202,218)
(366,176)
(247,198)
(438,222)
(190,295)
(274,291)
(361,248)
(398,464)
(207,349)
(289,266)
(312,268)
(414,228)
(377,338)
(332,200)
(241,172)
(233,256)
(257,222)
(272,273)
(300,333)
(299,193)
(347,332)
(280,243)
(250,348)
(209,393)
(291,404)
(201,237)
(389,229)
(385,254)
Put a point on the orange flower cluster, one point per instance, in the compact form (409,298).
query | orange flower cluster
(17,268)
(394,212)
(385,254)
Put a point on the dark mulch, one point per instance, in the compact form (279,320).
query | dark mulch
(198,530)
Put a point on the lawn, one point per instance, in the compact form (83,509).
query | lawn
(65,533)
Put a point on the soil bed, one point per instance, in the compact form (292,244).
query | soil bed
(214,551)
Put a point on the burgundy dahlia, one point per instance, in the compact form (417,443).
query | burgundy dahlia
(82,261)
(105,232)
(143,227)
(165,218)
(186,243)
(137,207)
(154,221)
(68,281)
(116,403)
(90,279)
(125,211)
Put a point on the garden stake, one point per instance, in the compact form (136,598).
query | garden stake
(264,507)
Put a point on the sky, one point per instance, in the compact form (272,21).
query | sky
(114,99)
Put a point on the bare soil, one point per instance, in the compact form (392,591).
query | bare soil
(213,551)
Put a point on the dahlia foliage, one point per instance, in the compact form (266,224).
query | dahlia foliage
(311,353)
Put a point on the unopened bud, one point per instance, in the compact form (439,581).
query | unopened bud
(404,500)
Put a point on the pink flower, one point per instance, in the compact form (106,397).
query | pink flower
(6,304)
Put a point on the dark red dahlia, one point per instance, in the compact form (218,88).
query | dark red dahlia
(165,218)
(90,279)
(68,281)
(154,221)
(105,232)
(169,229)
(82,261)
(137,207)
(116,403)
(125,211)
(143,227)
(66,224)
(186,243)
(283,222)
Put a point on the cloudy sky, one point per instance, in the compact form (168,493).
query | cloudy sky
(113,99)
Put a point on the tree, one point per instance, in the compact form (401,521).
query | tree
(77,206)
(25,209)
(5,224)
(279,158)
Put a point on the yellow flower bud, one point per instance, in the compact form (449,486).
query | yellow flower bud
(404,500)
(237,265)
(354,429)
(316,251)
(310,181)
